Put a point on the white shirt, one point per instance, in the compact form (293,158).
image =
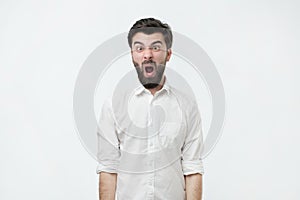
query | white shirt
(151,142)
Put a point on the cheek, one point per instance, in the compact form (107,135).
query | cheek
(137,61)
(136,58)
(161,58)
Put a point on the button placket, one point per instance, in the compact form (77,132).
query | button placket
(151,148)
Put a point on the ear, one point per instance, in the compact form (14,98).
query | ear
(169,53)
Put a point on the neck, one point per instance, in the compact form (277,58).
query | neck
(157,88)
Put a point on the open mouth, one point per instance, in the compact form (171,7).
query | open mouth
(149,69)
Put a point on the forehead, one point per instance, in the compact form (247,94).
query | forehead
(148,38)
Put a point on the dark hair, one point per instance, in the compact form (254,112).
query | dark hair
(149,26)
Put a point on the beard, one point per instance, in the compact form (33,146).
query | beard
(150,82)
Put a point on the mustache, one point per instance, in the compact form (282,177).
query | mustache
(148,62)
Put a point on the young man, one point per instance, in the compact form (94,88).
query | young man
(160,137)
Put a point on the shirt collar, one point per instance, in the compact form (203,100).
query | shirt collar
(141,89)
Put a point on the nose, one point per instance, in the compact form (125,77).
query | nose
(148,54)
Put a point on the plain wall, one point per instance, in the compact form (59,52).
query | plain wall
(254,45)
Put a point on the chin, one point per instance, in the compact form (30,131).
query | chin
(150,85)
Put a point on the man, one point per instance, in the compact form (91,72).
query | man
(150,140)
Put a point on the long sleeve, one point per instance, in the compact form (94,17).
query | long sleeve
(191,151)
(108,143)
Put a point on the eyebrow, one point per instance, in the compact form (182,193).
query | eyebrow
(137,42)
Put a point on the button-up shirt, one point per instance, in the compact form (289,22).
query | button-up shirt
(151,142)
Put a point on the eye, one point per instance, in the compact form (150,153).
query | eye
(139,48)
(155,47)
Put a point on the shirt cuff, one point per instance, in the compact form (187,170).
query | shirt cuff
(106,168)
(192,167)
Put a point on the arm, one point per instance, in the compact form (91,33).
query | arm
(107,186)
(191,155)
(108,154)
(193,185)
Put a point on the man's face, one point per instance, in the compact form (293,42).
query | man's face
(149,55)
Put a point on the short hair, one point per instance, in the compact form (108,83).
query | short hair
(149,26)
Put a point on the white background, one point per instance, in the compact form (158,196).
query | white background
(254,45)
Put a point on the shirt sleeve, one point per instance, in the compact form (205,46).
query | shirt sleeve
(193,144)
(108,144)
